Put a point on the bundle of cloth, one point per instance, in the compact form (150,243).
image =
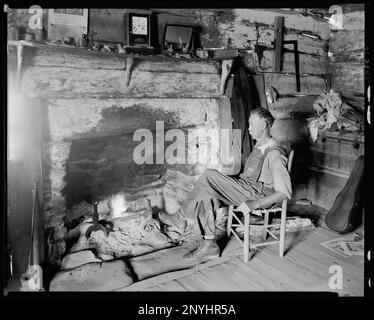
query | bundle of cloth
(330,109)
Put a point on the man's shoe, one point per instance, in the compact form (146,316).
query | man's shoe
(175,220)
(208,250)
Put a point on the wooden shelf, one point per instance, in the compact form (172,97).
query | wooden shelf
(73,49)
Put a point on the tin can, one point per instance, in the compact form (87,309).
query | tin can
(83,42)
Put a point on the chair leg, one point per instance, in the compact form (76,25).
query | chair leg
(229,220)
(246,238)
(282,235)
(266,223)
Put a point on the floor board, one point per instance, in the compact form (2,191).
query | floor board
(258,275)
(191,284)
(217,276)
(240,280)
(171,286)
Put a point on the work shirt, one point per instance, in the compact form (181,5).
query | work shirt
(274,173)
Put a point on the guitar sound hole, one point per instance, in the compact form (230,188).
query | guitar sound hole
(356,145)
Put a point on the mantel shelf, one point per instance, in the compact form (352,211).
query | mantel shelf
(56,70)
(84,51)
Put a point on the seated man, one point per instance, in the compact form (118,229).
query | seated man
(265,180)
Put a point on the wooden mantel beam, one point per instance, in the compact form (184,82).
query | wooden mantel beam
(68,56)
(58,71)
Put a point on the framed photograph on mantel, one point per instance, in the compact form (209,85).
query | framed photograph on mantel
(178,38)
(139,31)
(67,23)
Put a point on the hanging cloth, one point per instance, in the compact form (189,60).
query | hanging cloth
(244,98)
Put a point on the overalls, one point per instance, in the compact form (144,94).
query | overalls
(213,187)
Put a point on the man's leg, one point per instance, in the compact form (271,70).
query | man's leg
(205,215)
(211,185)
(214,185)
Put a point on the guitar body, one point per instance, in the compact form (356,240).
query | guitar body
(348,203)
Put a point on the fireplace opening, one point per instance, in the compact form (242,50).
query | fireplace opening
(101,168)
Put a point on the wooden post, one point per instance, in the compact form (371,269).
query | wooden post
(278,39)
(266,223)
(282,235)
(297,68)
(229,220)
(246,238)
(19,65)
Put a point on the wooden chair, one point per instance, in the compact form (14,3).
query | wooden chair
(266,225)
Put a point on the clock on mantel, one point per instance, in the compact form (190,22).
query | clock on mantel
(138,31)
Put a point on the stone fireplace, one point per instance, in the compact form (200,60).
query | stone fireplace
(94,105)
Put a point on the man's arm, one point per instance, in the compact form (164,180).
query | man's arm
(265,202)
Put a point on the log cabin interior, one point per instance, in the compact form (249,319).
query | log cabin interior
(99,98)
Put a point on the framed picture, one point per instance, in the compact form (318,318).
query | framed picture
(63,23)
(178,38)
(138,28)
(139,33)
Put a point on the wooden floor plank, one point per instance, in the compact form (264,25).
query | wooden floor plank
(219,277)
(190,284)
(199,277)
(213,280)
(239,278)
(153,288)
(274,274)
(260,275)
(209,281)
(172,285)
(297,277)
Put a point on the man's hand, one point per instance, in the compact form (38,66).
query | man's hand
(247,207)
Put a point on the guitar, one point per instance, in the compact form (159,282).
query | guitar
(348,203)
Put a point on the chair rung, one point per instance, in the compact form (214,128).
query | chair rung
(272,234)
(236,236)
(235,225)
(235,216)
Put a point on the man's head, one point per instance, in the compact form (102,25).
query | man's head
(260,122)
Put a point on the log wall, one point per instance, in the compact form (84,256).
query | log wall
(347,47)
